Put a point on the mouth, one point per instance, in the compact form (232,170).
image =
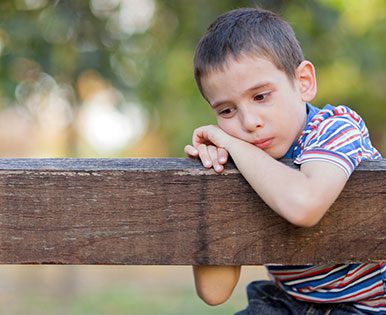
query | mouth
(263,143)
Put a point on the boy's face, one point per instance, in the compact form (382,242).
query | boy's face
(256,102)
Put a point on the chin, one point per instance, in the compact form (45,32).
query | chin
(276,154)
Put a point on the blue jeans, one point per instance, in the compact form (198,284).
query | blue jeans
(265,298)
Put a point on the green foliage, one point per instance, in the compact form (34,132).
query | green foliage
(344,39)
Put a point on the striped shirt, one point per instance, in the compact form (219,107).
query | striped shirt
(337,135)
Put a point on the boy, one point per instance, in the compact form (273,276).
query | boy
(251,70)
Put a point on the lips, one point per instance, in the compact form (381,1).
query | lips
(263,143)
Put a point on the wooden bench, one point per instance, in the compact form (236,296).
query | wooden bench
(174,212)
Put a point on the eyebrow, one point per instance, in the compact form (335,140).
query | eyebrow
(252,88)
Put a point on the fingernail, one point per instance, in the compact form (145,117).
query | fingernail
(218,168)
(222,160)
(207,164)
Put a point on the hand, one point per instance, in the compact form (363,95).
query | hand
(210,156)
(208,144)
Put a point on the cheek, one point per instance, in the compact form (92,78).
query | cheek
(287,133)
(230,126)
(277,120)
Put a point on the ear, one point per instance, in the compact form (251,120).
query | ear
(306,77)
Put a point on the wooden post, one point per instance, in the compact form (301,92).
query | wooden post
(173,211)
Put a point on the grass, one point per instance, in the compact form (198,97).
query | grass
(120,301)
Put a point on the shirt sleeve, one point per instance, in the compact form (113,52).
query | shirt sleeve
(336,140)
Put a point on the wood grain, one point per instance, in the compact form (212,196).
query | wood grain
(172,211)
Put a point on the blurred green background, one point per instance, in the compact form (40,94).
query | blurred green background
(110,290)
(113,78)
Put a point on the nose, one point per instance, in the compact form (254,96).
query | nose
(251,120)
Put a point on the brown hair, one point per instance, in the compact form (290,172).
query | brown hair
(247,31)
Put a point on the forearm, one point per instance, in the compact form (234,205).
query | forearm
(284,189)
(301,197)
(215,284)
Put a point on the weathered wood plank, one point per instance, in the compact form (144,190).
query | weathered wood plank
(172,211)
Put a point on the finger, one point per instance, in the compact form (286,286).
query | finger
(204,155)
(213,155)
(200,136)
(222,155)
(190,150)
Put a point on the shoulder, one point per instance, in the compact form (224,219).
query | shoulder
(335,116)
(335,127)
(338,135)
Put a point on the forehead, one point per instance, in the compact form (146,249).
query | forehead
(238,74)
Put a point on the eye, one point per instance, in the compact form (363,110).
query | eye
(261,97)
(226,112)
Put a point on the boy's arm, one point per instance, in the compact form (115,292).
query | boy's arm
(302,197)
(215,284)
